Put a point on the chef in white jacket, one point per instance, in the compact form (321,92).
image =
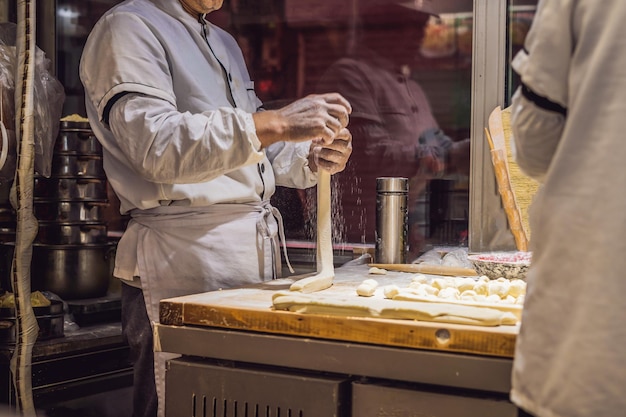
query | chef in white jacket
(568,121)
(194,161)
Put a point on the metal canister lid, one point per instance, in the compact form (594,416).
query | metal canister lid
(392,184)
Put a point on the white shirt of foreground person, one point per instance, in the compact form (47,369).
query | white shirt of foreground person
(182,153)
(568,128)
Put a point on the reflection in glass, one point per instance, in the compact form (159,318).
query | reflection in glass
(74,20)
(407,73)
(298,47)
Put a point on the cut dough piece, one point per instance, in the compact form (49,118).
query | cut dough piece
(377,271)
(390,291)
(325,268)
(499,288)
(449,293)
(419,278)
(468,295)
(517,287)
(481,288)
(464,284)
(367,288)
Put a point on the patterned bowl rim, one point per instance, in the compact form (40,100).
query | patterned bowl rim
(483,257)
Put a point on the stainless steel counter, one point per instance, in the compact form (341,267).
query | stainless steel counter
(241,358)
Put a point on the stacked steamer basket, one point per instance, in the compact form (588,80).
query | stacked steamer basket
(72,254)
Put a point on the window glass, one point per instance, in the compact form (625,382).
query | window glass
(405,66)
(74,20)
(519,19)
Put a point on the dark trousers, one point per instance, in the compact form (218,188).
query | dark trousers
(522,413)
(137,330)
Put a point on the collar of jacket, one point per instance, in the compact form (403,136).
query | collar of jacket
(175,9)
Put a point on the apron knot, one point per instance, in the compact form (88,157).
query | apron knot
(268,210)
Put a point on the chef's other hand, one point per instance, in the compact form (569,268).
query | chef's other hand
(316,116)
(458,158)
(331,157)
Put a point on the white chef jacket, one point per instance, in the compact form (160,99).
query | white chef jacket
(184,139)
(570,358)
(181,152)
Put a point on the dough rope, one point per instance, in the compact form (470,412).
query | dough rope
(325,268)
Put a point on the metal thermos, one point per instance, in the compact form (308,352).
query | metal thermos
(391,220)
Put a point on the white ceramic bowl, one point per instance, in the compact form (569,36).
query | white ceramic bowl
(501,264)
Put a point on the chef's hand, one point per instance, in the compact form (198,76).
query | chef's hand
(458,158)
(333,156)
(317,116)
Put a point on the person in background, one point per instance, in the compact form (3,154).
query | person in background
(392,120)
(194,161)
(568,130)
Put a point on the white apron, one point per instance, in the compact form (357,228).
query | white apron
(181,251)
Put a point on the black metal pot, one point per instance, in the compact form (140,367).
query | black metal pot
(69,211)
(68,189)
(77,166)
(72,233)
(78,142)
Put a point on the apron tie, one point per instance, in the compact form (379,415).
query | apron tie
(173,214)
(267,210)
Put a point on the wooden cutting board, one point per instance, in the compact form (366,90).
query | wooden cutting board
(250,309)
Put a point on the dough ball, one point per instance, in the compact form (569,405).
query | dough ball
(481,298)
(481,288)
(419,291)
(499,288)
(430,289)
(390,291)
(367,288)
(416,289)
(517,287)
(449,293)
(377,271)
(509,299)
(464,284)
(468,295)
(441,283)
(419,278)
(415,284)
(493,298)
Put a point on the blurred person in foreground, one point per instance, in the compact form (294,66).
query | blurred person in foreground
(568,129)
(194,161)
(391,121)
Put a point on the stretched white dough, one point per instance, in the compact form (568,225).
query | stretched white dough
(325,268)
